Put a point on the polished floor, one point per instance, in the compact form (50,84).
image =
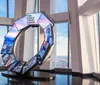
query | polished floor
(59,80)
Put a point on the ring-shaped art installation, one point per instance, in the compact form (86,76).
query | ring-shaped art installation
(30,20)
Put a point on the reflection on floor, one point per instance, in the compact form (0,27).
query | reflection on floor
(59,80)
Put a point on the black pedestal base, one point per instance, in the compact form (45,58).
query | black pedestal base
(29,77)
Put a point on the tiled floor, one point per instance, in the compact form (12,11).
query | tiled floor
(59,80)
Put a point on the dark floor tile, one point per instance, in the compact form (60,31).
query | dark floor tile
(59,80)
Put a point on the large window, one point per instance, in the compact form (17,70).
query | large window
(58,6)
(62,45)
(3,31)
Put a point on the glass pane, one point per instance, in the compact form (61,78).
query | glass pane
(3,31)
(21,23)
(9,27)
(3,8)
(44,21)
(11,8)
(57,7)
(12,34)
(62,45)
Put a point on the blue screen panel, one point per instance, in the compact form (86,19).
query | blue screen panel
(7,47)
(6,58)
(12,34)
(44,21)
(12,66)
(3,55)
(31,63)
(21,23)
(19,67)
(48,35)
(10,61)
(43,50)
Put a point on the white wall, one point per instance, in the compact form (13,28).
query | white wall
(89,48)
(29,34)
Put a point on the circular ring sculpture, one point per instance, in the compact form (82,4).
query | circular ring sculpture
(20,25)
